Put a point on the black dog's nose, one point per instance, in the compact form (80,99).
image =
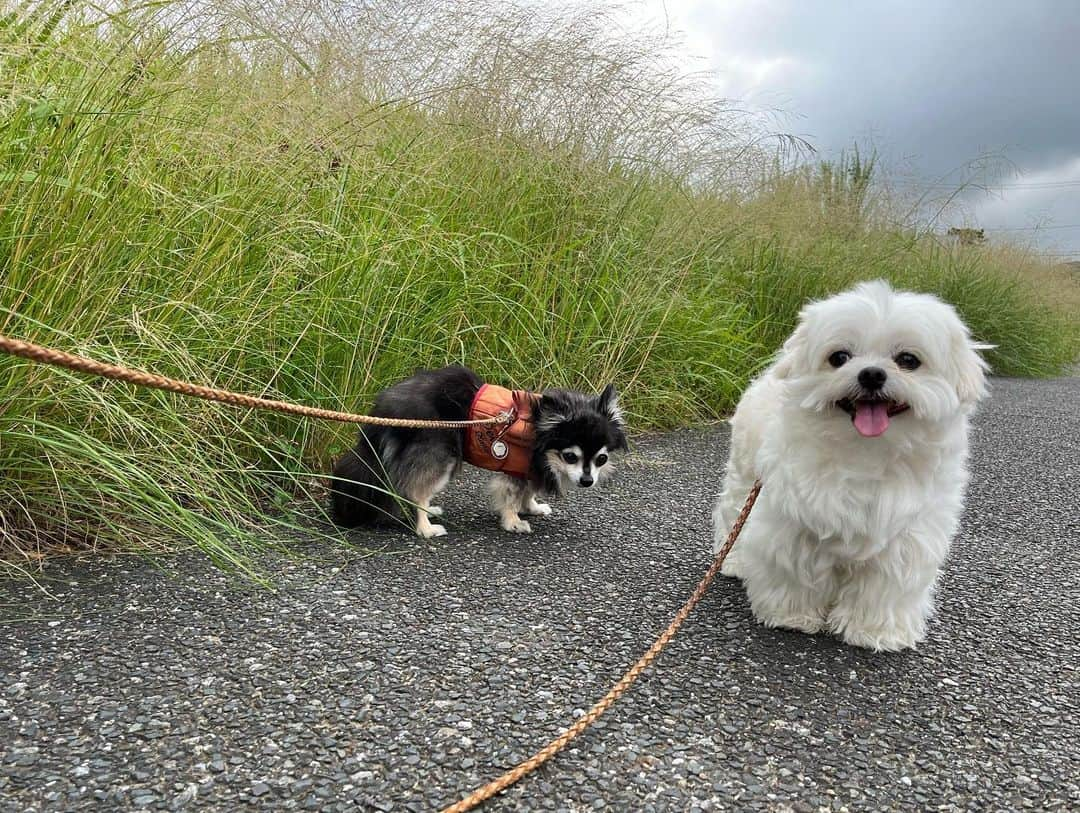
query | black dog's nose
(585,481)
(872,378)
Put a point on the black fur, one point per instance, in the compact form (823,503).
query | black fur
(364,475)
(389,461)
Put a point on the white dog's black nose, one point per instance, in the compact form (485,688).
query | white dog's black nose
(872,378)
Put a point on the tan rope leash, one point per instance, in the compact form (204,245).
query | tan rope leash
(552,748)
(58,358)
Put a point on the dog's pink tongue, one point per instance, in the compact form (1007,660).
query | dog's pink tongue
(871,418)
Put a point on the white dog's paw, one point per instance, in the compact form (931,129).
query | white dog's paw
(539,509)
(731,567)
(516,525)
(883,638)
(790,606)
(878,634)
(435,510)
(809,624)
(430,531)
(880,640)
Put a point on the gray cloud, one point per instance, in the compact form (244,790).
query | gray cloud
(932,84)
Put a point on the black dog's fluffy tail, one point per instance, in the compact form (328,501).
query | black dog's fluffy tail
(359,488)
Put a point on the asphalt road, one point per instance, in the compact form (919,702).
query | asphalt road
(400,681)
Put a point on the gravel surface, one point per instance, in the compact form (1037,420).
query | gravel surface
(399,681)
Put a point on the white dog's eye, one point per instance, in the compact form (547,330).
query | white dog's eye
(907,361)
(839,358)
(569,457)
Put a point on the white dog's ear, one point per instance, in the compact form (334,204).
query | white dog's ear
(787,358)
(971,370)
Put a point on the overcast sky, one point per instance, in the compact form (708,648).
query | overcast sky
(931,83)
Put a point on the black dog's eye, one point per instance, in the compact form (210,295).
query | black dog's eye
(839,358)
(600,460)
(569,457)
(907,361)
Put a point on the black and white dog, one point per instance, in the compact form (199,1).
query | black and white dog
(558,438)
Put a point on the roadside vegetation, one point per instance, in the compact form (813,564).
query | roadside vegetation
(308,200)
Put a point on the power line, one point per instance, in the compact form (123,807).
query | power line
(1036,185)
(1045,185)
(1033,228)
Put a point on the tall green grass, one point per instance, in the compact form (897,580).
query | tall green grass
(311,201)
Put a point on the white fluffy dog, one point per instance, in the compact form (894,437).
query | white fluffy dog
(859,434)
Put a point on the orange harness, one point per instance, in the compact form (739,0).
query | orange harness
(505,448)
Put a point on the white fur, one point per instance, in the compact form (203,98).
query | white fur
(849,532)
(570,474)
(425,510)
(530,505)
(511,497)
(508,496)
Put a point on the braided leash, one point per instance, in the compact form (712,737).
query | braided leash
(484,793)
(58,358)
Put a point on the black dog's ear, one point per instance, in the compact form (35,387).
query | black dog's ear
(608,404)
